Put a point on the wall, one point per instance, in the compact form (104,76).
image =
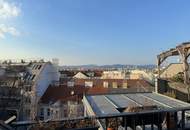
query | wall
(172,70)
(179,95)
(60,110)
(113,75)
(2,71)
(162,86)
(140,74)
(46,77)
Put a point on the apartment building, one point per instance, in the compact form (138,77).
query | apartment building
(113,74)
(39,76)
(31,79)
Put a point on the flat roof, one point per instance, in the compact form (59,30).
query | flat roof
(101,105)
(109,103)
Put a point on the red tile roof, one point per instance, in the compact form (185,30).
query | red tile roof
(96,73)
(64,93)
(120,82)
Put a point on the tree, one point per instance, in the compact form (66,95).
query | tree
(178,78)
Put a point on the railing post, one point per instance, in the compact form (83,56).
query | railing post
(125,122)
(183,120)
(152,124)
(143,124)
(159,121)
(117,122)
(106,123)
(133,125)
(168,120)
(176,120)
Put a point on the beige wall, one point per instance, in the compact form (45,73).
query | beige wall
(172,70)
(113,75)
(135,76)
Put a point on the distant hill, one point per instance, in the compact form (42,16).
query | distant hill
(114,66)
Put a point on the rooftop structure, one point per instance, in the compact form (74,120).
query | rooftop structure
(175,72)
(172,70)
(111,103)
(132,105)
(132,111)
(183,50)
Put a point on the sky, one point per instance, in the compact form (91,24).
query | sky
(92,31)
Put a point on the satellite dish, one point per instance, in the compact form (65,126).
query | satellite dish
(72,92)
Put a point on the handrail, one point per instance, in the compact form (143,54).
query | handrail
(26,123)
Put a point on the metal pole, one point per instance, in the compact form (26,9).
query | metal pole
(106,123)
(143,125)
(125,122)
(183,120)
(152,124)
(176,120)
(159,122)
(168,120)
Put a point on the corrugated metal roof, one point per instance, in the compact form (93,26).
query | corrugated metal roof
(109,104)
(102,106)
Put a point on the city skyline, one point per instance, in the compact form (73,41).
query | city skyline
(92,32)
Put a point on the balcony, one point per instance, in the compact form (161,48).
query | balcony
(171,119)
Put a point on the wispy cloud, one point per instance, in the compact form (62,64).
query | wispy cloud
(8,10)
(8,30)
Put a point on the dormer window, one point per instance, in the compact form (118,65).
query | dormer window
(36,67)
(40,66)
(33,76)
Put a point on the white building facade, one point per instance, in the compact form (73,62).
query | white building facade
(41,75)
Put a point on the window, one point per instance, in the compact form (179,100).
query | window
(30,88)
(36,67)
(33,76)
(27,112)
(88,84)
(105,84)
(125,85)
(40,66)
(52,112)
(70,84)
(48,112)
(114,84)
(33,66)
(41,111)
(29,76)
(27,100)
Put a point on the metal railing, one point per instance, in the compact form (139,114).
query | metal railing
(170,119)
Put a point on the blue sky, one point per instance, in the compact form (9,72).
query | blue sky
(93,31)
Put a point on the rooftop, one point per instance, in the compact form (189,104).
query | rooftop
(111,103)
(76,92)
